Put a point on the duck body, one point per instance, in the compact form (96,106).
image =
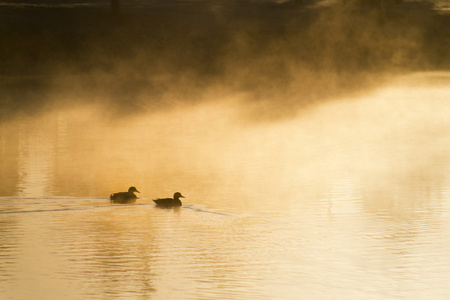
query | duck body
(124,197)
(169,202)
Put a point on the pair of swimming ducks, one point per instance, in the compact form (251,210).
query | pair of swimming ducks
(130,197)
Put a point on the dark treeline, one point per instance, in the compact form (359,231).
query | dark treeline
(274,53)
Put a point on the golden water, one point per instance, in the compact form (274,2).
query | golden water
(348,199)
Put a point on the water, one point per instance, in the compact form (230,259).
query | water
(349,199)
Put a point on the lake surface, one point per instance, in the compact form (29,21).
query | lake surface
(347,199)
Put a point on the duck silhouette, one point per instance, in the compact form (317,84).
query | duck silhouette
(169,202)
(125,197)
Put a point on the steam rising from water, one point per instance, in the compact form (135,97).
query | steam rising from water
(397,134)
(276,58)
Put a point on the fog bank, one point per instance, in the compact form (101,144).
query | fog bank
(276,57)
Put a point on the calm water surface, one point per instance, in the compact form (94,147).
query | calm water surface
(349,199)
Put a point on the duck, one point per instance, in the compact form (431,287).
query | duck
(169,202)
(125,197)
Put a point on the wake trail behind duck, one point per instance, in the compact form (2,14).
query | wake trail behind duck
(44,205)
(196,208)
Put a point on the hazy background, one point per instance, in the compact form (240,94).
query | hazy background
(277,56)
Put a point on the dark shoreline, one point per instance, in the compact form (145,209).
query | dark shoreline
(267,51)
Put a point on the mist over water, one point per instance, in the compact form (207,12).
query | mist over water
(276,57)
(310,141)
(347,198)
(85,152)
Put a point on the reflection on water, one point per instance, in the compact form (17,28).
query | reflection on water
(36,152)
(348,200)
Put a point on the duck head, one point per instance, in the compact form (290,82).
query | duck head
(133,190)
(177,195)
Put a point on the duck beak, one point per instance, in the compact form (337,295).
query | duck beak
(138,191)
(181,196)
